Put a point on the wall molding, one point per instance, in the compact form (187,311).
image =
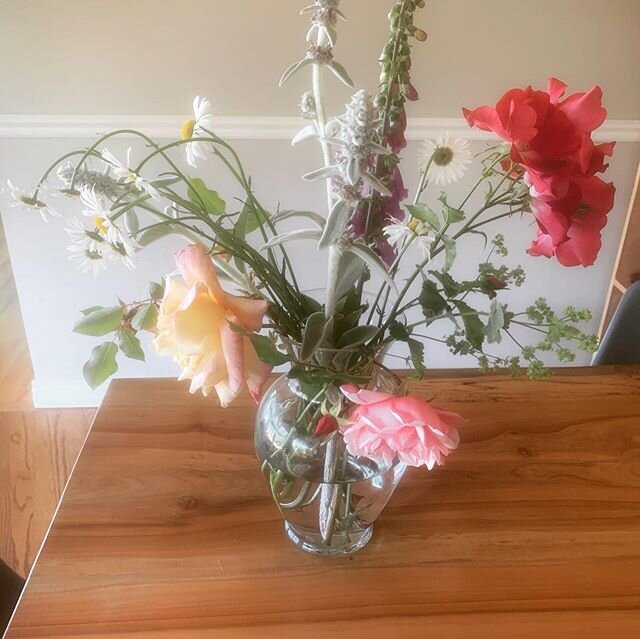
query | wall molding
(245,127)
(61,393)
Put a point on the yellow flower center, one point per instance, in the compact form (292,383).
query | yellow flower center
(413,225)
(99,222)
(187,129)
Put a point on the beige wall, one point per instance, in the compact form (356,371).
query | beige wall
(152,56)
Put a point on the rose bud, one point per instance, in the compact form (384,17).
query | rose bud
(326,424)
(491,284)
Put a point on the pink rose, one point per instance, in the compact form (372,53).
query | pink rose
(383,427)
(194,327)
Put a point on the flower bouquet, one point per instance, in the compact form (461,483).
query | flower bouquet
(336,431)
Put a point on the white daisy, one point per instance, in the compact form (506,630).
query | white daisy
(86,260)
(93,205)
(445,159)
(83,238)
(195,127)
(20,198)
(121,251)
(415,231)
(125,175)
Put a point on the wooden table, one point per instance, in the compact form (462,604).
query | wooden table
(532,528)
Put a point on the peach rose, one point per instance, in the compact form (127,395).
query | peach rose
(194,327)
(383,427)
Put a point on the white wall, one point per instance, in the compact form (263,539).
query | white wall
(71,61)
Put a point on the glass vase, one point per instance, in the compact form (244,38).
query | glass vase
(329,498)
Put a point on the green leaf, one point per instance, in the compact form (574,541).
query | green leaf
(266,350)
(432,302)
(91,309)
(398,331)
(450,286)
(100,322)
(314,331)
(199,194)
(130,344)
(416,350)
(155,233)
(373,261)
(358,335)
(145,318)
(101,365)
(473,326)
(449,252)
(425,214)
(249,220)
(495,323)
(351,268)
(451,214)
(131,222)
(155,291)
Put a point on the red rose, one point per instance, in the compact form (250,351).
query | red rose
(570,228)
(551,140)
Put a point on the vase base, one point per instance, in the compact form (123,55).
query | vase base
(341,543)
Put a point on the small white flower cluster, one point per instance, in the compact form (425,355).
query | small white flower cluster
(324,17)
(308,106)
(100,181)
(356,147)
(91,249)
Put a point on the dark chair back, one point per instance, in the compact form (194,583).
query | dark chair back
(10,588)
(621,342)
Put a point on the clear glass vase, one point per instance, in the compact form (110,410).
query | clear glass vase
(329,498)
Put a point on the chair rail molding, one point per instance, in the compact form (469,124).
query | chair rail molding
(246,127)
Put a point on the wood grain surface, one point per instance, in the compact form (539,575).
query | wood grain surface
(531,529)
(37,451)
(16,372)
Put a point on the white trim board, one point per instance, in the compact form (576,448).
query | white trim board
(55,393)
(246,127)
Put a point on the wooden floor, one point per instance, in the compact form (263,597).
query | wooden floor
(38,449)
(16,372)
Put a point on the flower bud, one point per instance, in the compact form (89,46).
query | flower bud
(420,35)
(410,92)
(326,424)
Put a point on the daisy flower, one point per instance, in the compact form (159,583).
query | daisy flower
(445,159)
(93,204)
(121,251)
(83,238)
(126,175)
(415,231)
(20,198)
(195,127)
(87,260)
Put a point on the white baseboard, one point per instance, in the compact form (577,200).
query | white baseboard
(65,394)
(246,127)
